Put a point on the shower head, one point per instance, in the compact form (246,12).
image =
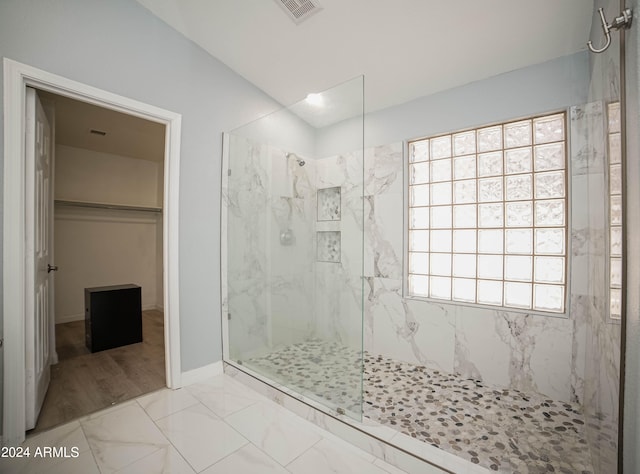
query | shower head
(300,161)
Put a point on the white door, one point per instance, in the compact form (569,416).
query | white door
(38,322)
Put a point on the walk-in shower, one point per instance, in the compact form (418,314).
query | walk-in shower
(294,247)
(343,281)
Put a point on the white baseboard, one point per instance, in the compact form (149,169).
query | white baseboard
(67,318)
(202,373)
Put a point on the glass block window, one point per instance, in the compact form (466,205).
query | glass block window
(487,215)
(615,211)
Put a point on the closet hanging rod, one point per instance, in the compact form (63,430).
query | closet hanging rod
(99,205)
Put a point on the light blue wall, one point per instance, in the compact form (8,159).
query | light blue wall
(281,129)
(119,46)
(544,87)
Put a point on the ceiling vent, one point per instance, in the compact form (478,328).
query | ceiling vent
(299,10)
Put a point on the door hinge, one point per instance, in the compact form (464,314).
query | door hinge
(1,343)
(229,316)
(228,172)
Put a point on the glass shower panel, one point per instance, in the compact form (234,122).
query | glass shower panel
(600,170)
(294,247)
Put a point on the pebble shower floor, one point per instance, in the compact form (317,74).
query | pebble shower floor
(503,430)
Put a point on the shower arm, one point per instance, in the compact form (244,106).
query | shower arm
(622,21)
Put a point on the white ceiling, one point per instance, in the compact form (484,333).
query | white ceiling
(405,48)
(126,135)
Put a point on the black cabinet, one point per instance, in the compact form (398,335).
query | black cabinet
(112,317)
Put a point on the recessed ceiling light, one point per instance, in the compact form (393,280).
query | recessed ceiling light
(315,99)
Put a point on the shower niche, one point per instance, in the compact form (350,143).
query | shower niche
(292,224)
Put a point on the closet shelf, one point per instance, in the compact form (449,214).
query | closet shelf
(100,205)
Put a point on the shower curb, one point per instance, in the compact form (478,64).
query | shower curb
(380,441)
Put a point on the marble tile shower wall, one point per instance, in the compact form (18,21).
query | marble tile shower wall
(600,362)
(281,288)
(268,213)
(515,350)
(531,353)
(292,208)
(338,308)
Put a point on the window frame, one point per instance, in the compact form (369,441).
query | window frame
(567,225)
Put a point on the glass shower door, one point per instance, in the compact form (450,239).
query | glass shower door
(294,247)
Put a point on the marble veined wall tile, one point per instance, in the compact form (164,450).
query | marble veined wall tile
(392,326)
(338,311)
(482,346)
(368,319)
(599,336)
(580,307)
(291,307)
(386,236)
(385,233)
(344,170)
(405,330)
(602,366)
(524,352)
(434,341)
(339,284)
(247,248)
(369,231)
(268,288)
(369,171)
(551,355)
(388,169)
(587,138)
(579,198)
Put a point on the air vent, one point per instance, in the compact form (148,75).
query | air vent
(299,10)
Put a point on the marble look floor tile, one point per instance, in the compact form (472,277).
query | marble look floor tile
(329,456)
(386,467)
(84,464)
(279,433)
(246,460)
(67,436)
(200,436)
(165,402)
(223,395)
(113,408)
(121,437)
(164,461)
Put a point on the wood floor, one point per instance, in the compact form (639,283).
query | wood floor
(82,383)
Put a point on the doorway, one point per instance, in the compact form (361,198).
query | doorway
(15,275)
(107,206)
